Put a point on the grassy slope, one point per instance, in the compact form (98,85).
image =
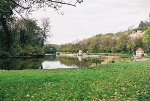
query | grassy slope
(118,81)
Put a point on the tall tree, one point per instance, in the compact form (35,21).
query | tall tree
(8,7)
(122,43)
(6,12)
(27,32)
(45,29)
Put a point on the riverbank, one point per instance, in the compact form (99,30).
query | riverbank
(28,56)
(93,55)
(116,57)
(118,81)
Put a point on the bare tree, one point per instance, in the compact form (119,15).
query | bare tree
(46,28)
(74,43)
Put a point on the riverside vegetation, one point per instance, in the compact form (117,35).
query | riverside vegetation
(119,81)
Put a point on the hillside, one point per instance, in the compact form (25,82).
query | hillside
(125,42)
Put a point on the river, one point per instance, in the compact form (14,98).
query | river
(48,62)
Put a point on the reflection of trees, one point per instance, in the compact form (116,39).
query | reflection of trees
(35,63)
(96,61)
(70,61)
(20,63)
(50,57)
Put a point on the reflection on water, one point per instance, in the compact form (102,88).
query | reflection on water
(80,58)
(55,64)
(20,63)
(48,62)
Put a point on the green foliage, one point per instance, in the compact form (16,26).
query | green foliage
(49,48)
(25,31)
(126,55)
(6,9)
(4,53)
(27,39)
(38,50)
(119,33)
(28,32)
(29,50)
(120,42)
(118,81)
(146,39)
(15,49)
(143,25)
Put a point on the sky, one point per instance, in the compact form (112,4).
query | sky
(93,17)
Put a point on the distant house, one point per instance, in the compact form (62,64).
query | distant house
(80,53)
(139,52)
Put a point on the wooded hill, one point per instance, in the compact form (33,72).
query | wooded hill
(120,42)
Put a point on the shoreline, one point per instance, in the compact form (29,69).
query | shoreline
(94,56)
(33,56)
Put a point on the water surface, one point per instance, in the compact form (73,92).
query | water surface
(48,62)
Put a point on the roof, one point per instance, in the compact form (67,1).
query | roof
(140,49)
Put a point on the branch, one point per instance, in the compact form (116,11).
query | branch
(20,15)
(59,2)
(19,4)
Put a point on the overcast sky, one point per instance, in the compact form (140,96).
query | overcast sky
(94,17)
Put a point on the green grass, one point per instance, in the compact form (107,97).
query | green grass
(119,81)
(126,55)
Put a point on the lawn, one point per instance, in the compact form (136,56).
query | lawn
(118,81)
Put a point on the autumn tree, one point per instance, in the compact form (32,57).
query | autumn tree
(122,43)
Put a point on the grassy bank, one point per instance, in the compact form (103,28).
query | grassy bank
(119,81)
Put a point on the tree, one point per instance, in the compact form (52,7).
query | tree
(50,48)
(6,12)
(146,39)
(24,7)
(75,44)
(122,43)
(26,38)
(106,43)
(45,29)
(26,32)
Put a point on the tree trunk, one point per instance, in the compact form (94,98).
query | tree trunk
(8,36)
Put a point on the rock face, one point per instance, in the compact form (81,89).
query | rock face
(137,34)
